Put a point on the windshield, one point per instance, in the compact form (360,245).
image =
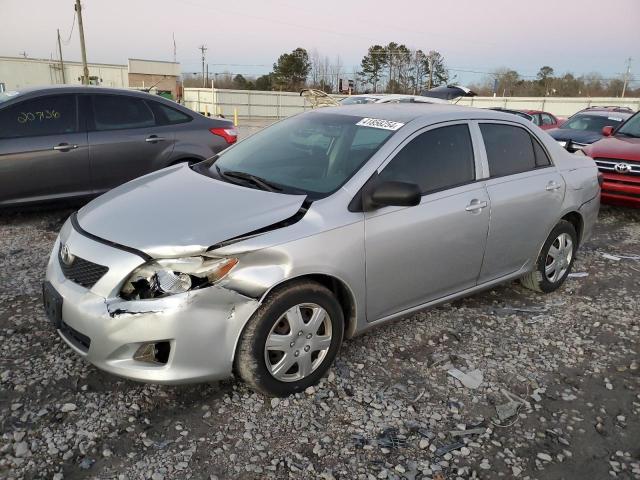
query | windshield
(312,154)
(357,100)
(631,128)
(592,123)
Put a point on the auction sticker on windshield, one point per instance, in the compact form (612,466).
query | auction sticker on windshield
(379,123)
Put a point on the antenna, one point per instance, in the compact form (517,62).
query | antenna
(626,77)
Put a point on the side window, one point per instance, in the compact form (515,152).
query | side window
(166,115)
(117,112)
(435,160)
(542,160)
(52,115)
(547,119)
(509,149)
(536,119)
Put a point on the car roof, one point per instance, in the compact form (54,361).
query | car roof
(33,91)
(432,112)
(604,113)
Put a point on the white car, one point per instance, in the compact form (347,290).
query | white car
(388,98)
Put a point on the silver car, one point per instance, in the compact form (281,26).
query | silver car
(260,261)
(67,142)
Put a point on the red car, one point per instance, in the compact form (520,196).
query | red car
(618,158)
(544,120)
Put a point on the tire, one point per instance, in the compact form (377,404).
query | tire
(294,361)
(546,277)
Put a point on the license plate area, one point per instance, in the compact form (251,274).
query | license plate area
(52,302)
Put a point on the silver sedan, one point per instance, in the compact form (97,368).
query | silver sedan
(260,261)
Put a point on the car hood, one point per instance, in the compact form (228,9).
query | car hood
(177,211)
(618,147)
(580,136)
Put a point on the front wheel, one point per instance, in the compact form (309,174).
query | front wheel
(291,340)
(555,260)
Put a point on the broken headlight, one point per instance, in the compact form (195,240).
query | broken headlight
(159,278)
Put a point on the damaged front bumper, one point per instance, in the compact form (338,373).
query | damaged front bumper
(183,338)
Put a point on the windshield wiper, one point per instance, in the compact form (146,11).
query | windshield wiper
(247,177)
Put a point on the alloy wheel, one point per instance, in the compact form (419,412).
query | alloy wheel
(559,257)
(298,342)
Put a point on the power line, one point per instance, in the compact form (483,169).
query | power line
(73,24)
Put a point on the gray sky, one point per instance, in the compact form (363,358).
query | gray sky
(480,35)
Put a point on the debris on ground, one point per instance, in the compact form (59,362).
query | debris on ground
(440,451)
(578,275)
(472,379)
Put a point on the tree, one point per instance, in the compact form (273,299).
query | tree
(435,69)
(372,65)
(239,82)
(292,69)
(264,82)
(544,73)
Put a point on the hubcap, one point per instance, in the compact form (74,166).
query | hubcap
(559,257)
(298,342)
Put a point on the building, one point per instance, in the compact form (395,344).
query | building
(19,72)
(163,76)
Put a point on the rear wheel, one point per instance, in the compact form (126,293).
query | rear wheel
(291,340)
(555,260)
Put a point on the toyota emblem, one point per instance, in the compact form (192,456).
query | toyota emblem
(65,255)
(622,168)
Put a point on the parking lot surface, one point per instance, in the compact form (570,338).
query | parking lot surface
(559,395)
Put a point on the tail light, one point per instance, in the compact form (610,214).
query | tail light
(600,178)
(230,134)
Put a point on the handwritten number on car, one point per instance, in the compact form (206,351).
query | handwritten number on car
(41,116)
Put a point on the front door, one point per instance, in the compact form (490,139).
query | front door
(43,151)
(422,253)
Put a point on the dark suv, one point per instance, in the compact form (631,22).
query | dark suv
(72,141)
(585,127)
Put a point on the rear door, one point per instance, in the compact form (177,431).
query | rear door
(526,193)
(422,253)
(43,150)
(126,140)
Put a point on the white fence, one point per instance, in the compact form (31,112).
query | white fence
(562,106)
(259,104)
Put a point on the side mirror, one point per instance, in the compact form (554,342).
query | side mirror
(387,194)
(607,131)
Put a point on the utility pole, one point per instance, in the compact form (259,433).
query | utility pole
(626,77)
(174,47)
(203,49)
(83,49)
(64,80)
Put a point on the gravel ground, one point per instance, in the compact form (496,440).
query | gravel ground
(559,396)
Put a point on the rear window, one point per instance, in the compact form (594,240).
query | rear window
(511,150)
(594,123)
(116,112)
(166,115)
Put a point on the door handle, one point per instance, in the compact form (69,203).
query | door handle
(65,147)
(475,206)
(153,139)
(552,186)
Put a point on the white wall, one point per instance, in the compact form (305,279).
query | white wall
(252,103)
(18,73)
